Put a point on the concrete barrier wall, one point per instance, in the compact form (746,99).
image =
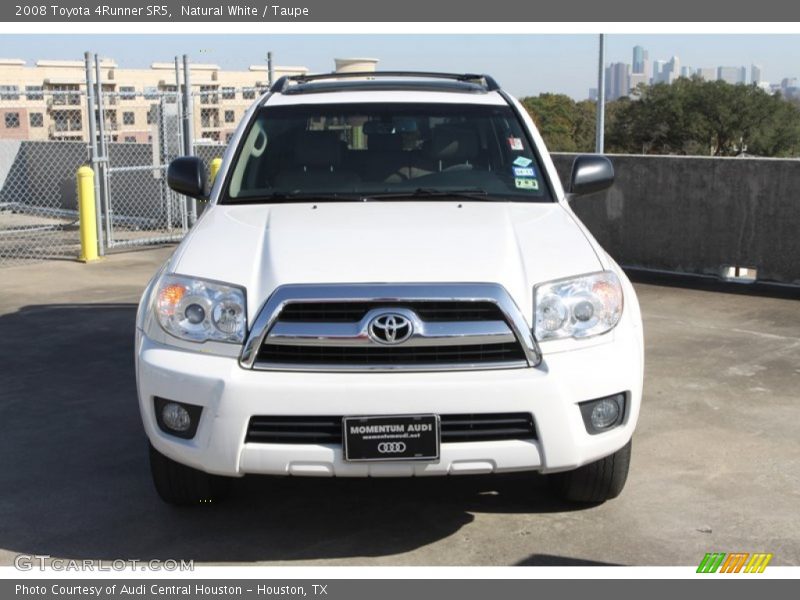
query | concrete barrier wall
(695,214)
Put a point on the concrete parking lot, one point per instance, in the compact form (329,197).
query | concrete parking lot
(716,462)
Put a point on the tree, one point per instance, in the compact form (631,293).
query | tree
(715,118)
(566,125)
(689,117)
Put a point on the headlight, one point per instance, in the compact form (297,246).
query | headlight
(577,307)
(199,310)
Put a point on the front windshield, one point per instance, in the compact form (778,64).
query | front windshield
(385,151)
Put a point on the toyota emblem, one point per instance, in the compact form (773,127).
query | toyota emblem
(390,328)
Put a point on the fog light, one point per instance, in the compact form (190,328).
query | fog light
(604,413)
(176,417)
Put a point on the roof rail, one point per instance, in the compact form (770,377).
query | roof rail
(486,81)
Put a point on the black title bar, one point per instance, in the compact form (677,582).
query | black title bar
(450,11)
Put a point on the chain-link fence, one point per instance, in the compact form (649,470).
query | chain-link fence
(46,135)
(41,148)
(140,136)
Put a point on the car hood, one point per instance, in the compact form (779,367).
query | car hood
(261,247)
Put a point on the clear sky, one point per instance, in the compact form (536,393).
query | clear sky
(523,64)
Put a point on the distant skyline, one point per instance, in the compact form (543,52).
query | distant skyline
(523,64)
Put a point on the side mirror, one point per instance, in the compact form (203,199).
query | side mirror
(591,173)
(187,175)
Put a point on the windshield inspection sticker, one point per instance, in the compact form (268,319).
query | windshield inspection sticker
(522,161)
(524,183)
(516,144)
(524,172)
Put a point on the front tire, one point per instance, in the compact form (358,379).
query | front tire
(181,485)
(596,482)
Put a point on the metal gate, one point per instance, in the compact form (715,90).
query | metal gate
(139,137)
(127,134)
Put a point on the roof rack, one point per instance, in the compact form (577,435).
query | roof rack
(486,81)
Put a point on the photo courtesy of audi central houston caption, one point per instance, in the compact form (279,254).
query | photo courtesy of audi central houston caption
(388,281)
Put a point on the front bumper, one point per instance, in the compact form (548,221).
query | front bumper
(230,395)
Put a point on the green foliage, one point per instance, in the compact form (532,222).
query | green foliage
(567,126)
(690,116)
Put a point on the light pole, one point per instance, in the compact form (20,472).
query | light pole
(601,98)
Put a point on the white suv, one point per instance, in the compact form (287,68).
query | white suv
(388,281)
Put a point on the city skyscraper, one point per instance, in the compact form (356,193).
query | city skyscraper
(636,79)
(673,70)
(641,58)
(622,81)
(617,81)
(707,73)
(755,74)
(658,71)
(732,75)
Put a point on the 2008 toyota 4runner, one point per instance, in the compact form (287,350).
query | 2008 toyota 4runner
(388,281)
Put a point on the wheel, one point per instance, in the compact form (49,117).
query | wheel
(596,482)
(181,485)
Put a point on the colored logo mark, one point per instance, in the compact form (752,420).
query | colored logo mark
(735,562)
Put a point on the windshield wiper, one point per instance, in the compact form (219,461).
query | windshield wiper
(434,193)
(295,197)
(417,194)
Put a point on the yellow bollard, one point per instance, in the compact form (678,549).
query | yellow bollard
(215,165)
(87,215)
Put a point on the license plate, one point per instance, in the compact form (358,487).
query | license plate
(397,437)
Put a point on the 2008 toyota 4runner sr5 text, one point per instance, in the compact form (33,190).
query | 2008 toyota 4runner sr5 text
(388,281)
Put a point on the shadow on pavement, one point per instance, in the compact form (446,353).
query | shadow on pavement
(548,560)
(75,479)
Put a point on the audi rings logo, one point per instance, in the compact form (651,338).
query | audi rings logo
(392,447)
(390,328)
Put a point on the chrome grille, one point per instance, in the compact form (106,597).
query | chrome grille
(333,328)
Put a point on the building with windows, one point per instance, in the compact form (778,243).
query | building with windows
(755,74)
(47,100)
(641,61)
(671,70)
(732,75)
(659,70)
(707,73)
(618,82)
(637,79)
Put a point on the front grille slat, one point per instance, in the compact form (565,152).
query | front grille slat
(346,312)
(328,429)
(473,435)
(278,434)
(376,355)
(487,422)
